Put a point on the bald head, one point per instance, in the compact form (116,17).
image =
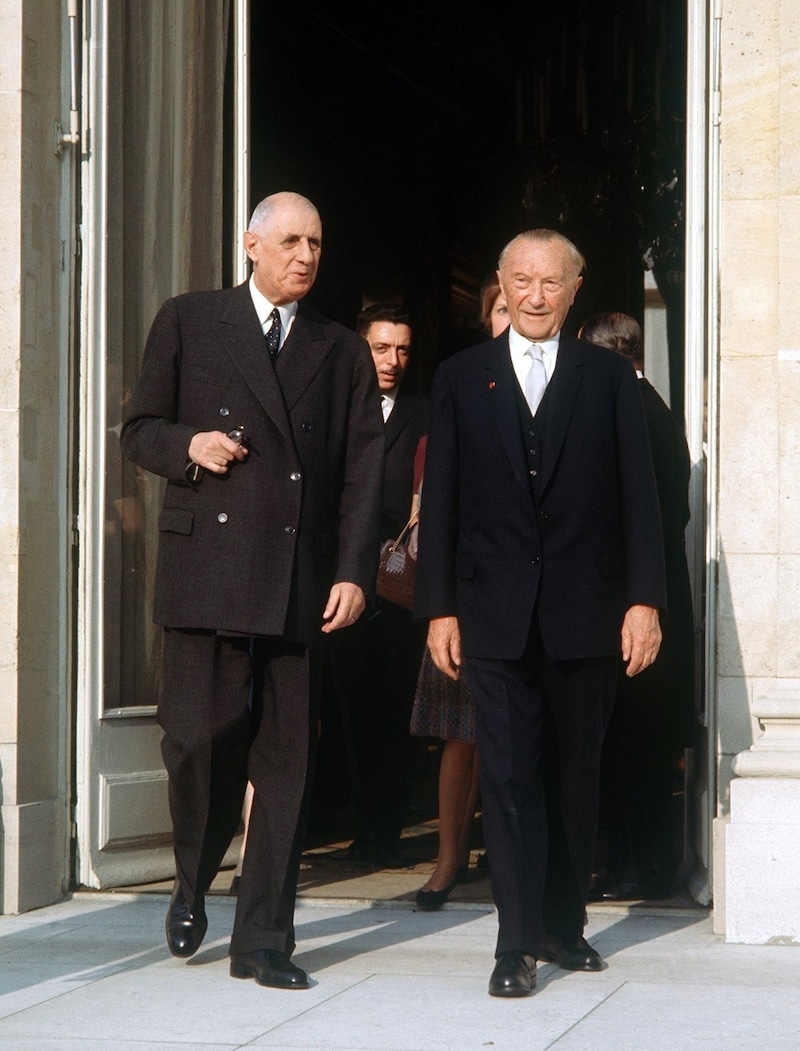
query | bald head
(266,210)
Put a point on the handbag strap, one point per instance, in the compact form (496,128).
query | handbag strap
(405,531)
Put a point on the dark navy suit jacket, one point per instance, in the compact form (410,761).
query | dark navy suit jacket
(578,543)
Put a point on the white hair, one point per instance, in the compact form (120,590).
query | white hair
(544,236)
(264,212)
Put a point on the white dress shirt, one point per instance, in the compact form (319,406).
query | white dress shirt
(264,308)
(388,398)
(518,346)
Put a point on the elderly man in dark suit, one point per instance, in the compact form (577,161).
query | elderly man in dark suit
(375,666)
(264,418)
(540,560)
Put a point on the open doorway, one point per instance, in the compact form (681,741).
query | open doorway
(428,135)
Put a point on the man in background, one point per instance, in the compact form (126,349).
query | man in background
(376,663)
(653,718)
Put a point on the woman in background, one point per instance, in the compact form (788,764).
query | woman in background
(443,708)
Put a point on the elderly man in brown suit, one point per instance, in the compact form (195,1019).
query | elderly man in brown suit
(264,418)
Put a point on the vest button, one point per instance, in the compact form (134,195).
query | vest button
(289,529)
(224,411)
(295,476)
(535,561)
(534,473)
(222,517)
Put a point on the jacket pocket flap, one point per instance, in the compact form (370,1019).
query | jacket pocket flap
(175,520)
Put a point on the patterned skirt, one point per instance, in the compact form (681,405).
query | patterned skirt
(443,707)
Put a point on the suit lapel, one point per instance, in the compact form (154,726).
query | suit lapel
(562,391)
(241,335)
(501,385)
(301,357)
(398,418)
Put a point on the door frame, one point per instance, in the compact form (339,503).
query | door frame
(701,408)
(701,355)
(116,844)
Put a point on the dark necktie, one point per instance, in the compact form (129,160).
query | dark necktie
(273,336)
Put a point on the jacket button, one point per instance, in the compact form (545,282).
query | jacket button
(295,476)
(289,529)
(535,561)
(305,426)
(544,515)
(224,411)
(534,473)
(222,517)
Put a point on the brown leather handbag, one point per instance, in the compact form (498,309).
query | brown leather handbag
(397,568)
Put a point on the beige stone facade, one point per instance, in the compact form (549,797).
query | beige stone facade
(757,890)
(753,551)
(35,528)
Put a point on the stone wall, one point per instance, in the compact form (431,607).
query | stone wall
(35,366)
(758,655)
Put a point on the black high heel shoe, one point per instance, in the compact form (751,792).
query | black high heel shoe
(432,900)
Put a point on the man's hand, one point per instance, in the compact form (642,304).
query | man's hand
(346,603)
(214,450)
(444,642)
(641,638)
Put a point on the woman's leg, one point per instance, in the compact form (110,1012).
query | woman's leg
(455,789)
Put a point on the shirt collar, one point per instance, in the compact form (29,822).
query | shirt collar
(389,397)
(518,346)
(288,311)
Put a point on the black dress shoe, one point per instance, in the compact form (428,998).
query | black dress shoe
(186,924)
(268,967)
(514,974)
(432,900)
(578,957)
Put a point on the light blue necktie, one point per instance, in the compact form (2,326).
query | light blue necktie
(536,380)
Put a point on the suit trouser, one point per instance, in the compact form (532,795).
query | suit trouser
(234,709)
(540,727)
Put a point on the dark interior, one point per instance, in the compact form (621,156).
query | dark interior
(428,134)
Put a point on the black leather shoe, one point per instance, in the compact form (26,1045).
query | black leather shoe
(432,900)
(186,924)
(268,967)
(514,974)
(578,957)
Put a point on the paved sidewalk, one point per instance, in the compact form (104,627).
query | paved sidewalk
(93,974)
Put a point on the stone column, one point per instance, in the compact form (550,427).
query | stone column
(762,843)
